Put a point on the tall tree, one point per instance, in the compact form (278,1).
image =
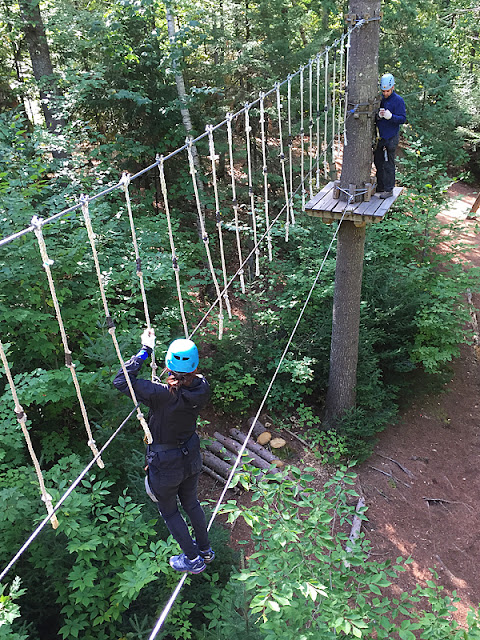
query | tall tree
(42,67)
(357,163)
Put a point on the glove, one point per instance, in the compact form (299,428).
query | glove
(148,338)
(387,114)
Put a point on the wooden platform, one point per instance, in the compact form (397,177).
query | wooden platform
(325,206)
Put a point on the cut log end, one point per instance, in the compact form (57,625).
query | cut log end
(264,438)
(277,443)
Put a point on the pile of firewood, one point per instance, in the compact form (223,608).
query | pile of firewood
(220,455)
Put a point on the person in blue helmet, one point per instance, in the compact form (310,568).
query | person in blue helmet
(390,116)
(173,459)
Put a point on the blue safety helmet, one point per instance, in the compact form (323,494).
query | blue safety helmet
(182,356)
(387,81)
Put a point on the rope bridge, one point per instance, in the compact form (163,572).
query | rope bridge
(324,75)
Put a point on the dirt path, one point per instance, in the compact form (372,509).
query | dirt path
(435,518)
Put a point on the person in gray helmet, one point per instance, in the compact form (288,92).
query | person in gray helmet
(390,116)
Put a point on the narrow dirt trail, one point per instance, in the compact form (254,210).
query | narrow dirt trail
(432,514)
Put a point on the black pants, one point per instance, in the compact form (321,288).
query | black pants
(385,166)
(175,473)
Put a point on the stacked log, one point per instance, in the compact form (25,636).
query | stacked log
(221,454)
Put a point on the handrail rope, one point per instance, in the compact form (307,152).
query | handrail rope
(218,216)
(174,595)
(170,155)
(289,209)
(67,493)
(234,197)
(251,192)
(125,182)
(302,138)
(109,319)
(325,115)
(204,234)
(22,419)
(265,176)
(290,137)
(310,126)
(37,224)
(175,266)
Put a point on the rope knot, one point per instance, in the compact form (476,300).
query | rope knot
(205,238)
(124,180)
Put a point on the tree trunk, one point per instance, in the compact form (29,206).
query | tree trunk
(182,96)
(346,321)
(39,51)
(357,164)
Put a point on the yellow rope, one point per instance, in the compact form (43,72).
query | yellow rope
(251,192)
(288,207)
(110,324)
(265,175)
(234,199)
(302,138)
(310,127)
(193,173)
(22,419)
(37,224)
(218,214)
(125,183)
(176,268)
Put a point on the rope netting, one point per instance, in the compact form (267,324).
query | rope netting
(259,203)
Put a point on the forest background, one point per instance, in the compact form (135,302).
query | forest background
(110,105)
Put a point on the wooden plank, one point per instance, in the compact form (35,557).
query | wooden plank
(316,199)
(320,204)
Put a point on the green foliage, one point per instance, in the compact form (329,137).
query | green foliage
(307,580)
(233,394)
(10,610)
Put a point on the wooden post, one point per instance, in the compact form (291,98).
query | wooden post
(357,164)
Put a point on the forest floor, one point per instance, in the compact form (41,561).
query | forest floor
(428,511)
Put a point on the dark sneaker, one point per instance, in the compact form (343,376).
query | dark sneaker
(208,555)
(183,564)
(386,194)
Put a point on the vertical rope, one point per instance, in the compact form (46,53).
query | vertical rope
(176,268)
(341,90)
(302,138)
(22,419)
(218,217)
(317,159)
(110,322)
(334,97)
(37,224)
(325,111)
(290,137)
(234,199)
(193,173)
(124,184)
(265,175)
(251,193)
(347,64)
(282,162)
(310,127)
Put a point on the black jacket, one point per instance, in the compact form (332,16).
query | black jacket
(172,418)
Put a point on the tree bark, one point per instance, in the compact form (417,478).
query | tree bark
(357,163)
(42,67)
